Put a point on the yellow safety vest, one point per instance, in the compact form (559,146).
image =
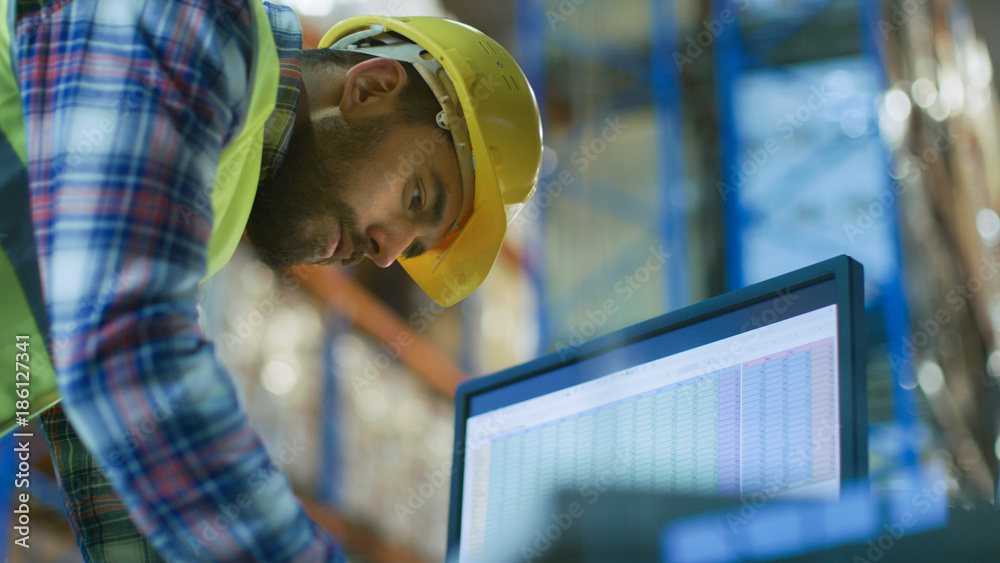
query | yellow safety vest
(23,322)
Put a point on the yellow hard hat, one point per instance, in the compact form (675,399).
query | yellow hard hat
(489,107)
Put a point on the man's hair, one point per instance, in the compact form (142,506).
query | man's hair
(417,104)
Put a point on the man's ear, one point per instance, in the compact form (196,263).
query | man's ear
(371,88)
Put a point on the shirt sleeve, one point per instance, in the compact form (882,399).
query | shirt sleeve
(127,108)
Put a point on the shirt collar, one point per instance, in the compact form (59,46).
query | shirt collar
(287,34)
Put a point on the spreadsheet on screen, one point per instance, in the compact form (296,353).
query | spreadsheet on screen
(750,412)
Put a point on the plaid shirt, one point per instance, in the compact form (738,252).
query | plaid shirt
(127,106)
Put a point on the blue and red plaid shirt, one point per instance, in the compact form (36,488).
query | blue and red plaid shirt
(127,107)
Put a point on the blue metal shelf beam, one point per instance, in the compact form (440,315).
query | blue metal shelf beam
(895,298)
(666,85)
(656,83)
(728,66)
(531,55)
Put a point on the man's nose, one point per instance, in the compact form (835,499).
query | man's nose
(385,245)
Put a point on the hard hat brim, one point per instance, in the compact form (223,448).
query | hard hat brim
(449,275)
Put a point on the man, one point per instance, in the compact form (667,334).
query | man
(134,137)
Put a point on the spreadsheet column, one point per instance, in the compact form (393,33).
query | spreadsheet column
(643,432)
(705,426)
(729,432)
(826,431)
(776,432)
(528,489)
(475,534)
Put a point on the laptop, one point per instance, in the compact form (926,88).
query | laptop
(757,391)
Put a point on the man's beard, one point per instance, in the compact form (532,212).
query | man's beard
(294,210)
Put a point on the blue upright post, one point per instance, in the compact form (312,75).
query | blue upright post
(728,65)
(329,472)
(665,81)
(895,301)
(531,41)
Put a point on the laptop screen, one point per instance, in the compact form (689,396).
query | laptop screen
(757,390)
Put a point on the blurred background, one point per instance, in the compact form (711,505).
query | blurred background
(692,147)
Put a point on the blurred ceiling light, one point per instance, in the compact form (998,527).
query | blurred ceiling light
(978,66)
(901,168)
(349,352)
(897,104)
(953,90)
(988,225)
(924,92)
(853,123)
(841,83)
(278,377)
(940,109)
(993,363)
(891,129)
(931,378)
(977,99)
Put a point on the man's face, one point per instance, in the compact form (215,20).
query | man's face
(354,188)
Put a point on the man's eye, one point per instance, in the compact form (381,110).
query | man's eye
(417,199)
